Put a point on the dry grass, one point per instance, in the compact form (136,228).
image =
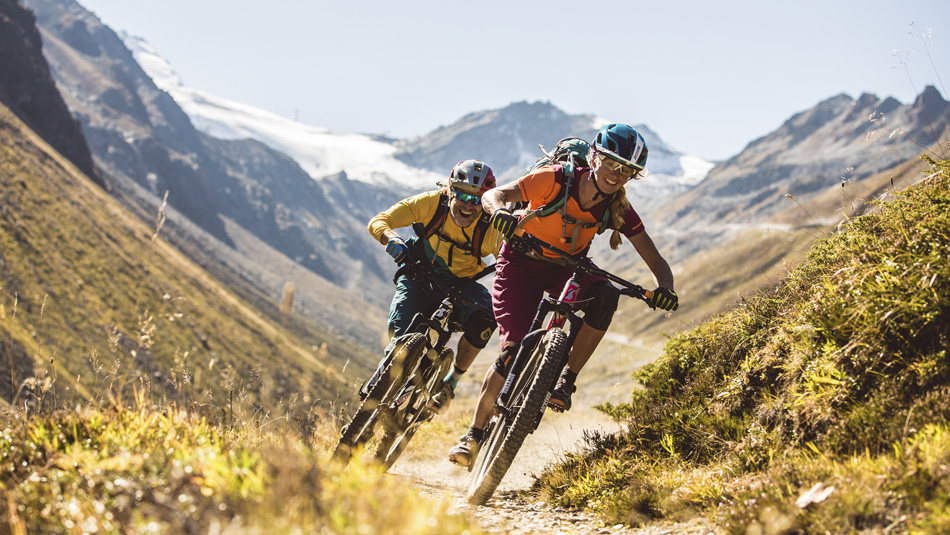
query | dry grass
(96,305)
(131,470)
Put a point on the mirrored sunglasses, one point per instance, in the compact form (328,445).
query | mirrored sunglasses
(467,197)
(624,171)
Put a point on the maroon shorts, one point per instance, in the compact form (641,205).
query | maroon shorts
(520,284)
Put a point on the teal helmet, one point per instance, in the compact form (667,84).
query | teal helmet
(622,143)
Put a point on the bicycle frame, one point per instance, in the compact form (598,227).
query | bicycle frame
(439,321)
(562,308)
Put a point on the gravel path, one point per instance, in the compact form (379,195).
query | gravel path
(510,513)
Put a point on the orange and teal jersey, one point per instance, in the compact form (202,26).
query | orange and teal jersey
(542,186)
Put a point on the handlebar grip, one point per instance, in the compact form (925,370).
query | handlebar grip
(647,294)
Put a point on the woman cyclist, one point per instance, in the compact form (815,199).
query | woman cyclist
(595,200)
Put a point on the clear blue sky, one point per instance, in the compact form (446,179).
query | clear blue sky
(708,77)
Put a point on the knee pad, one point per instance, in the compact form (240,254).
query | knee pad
(505,360)
(478,330)
(603,303)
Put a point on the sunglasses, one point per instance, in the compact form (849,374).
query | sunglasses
(624,171)
(467,197)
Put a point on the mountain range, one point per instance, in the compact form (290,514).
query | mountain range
(262,202)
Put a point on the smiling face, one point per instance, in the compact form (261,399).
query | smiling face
(610,176)
(464,213)
(608,180)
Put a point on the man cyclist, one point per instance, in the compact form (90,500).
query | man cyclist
(595,200)
(453,235)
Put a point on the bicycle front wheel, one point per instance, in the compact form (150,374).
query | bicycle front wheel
(397,367)
(407,421)
(529,398)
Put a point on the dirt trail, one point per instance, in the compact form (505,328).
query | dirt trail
(507,511)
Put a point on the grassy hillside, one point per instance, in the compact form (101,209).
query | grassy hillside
(820,405)
(94,306)
(141,396)
(714,280)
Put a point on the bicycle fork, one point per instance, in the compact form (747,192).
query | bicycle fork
(563,312)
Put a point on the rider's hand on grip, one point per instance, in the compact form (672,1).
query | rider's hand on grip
(397,249)
(664,298)
(504,222)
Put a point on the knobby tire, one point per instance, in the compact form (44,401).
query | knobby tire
(509,432)
(397,437)
(405,357)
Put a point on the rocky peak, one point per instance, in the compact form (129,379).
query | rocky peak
(28,89)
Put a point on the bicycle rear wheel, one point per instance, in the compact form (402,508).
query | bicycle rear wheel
(402,360)
(529,398)
(405,424)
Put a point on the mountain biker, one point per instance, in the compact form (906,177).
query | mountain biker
(450,225)
(597,194)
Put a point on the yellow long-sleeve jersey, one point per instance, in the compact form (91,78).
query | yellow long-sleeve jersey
(450,246)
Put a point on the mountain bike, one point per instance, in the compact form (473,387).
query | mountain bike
(397,396)
(538,364)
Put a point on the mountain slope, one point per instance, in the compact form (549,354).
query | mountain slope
(318,151)
(146,146)
(839,141)
(724,247)
(508,138)
(90,293)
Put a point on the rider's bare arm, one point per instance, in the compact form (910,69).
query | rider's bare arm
(497,198)
(662,273)
(387,235)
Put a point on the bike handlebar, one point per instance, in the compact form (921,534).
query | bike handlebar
(583,263)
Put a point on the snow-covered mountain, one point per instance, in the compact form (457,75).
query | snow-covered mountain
(507,139)
(318,151)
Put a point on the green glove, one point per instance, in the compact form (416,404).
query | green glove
(664,298)
(504,222)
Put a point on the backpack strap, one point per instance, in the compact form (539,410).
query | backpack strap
(437,223)
(478,235)
(434,224)
(564,175)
